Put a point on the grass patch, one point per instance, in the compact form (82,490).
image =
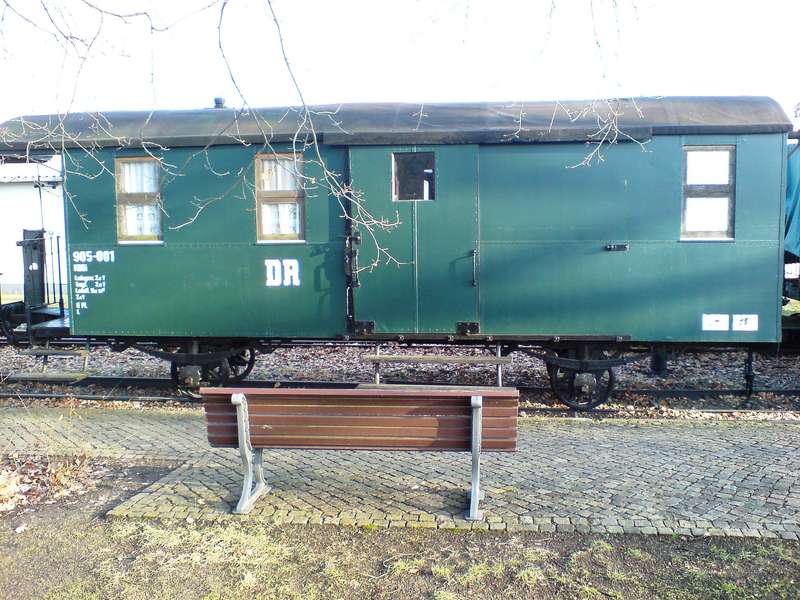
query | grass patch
(536,555)
(406,567)
(475,574)
(637,554)
(722,554)
(442,572)
(530,577)
(601,546)
(617,576)
(68,552)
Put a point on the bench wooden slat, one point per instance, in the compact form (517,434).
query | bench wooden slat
(366,391)
(426,358)
(389,403)
(490,425)
(377,421)
(399,411)
(361,397)
(348,431)
(321,443)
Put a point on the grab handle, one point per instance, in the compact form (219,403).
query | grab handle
(474,253)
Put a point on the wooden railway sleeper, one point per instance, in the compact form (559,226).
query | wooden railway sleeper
(498,360)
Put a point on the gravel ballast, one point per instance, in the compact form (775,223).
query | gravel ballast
(330,362)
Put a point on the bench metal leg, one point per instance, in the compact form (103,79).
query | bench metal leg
(252,461)
(473,514)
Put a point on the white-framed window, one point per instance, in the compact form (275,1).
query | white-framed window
(414,176)
(709,192)
(138,199)
(279,197)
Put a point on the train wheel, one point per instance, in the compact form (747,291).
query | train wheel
(242,364)
(561,382)
(581,390)
(217,374)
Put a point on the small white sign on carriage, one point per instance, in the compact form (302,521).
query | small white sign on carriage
(745,322)
(716,322)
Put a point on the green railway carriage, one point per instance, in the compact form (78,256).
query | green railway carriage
(216,228)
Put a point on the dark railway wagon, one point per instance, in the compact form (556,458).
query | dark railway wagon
(207,231)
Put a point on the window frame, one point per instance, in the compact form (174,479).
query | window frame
(280,197)
(395,183)
(727,190)
(139,199)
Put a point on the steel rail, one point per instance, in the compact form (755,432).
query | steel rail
(692,393)
(21,395)
(165,382)
(115,382)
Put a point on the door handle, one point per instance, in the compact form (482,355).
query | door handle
(474,253)
(354,269)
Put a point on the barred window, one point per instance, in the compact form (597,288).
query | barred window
(279,197)
(709,192)
(138,200)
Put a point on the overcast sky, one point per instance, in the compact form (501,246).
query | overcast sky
(404,50)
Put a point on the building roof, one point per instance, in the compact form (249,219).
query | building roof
(34,171)
(392,123)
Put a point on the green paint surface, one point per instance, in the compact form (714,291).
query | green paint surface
(539,223)
(208,278)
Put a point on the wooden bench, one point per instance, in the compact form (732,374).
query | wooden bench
(377,359)
(410,418)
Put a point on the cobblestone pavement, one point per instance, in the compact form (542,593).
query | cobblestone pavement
(707,478)
(148,435)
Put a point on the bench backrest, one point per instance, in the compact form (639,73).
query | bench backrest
(422,418)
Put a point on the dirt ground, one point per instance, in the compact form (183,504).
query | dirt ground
(68,549)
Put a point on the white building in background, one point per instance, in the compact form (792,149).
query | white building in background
(30,198)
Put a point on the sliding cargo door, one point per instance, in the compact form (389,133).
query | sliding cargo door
(417,272)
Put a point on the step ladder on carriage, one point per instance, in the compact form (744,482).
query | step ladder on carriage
(41,315)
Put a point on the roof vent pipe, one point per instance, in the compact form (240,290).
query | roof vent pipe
(219,102)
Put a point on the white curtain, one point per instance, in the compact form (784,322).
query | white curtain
(278,175)
(280,218)
(142,219)
(139,177)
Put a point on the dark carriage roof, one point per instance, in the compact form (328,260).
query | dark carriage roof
(392,123)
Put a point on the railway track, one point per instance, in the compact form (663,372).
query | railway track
(116,384)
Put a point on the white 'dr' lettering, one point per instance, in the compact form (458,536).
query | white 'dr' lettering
(291,272)
(274,272)
(282,272)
